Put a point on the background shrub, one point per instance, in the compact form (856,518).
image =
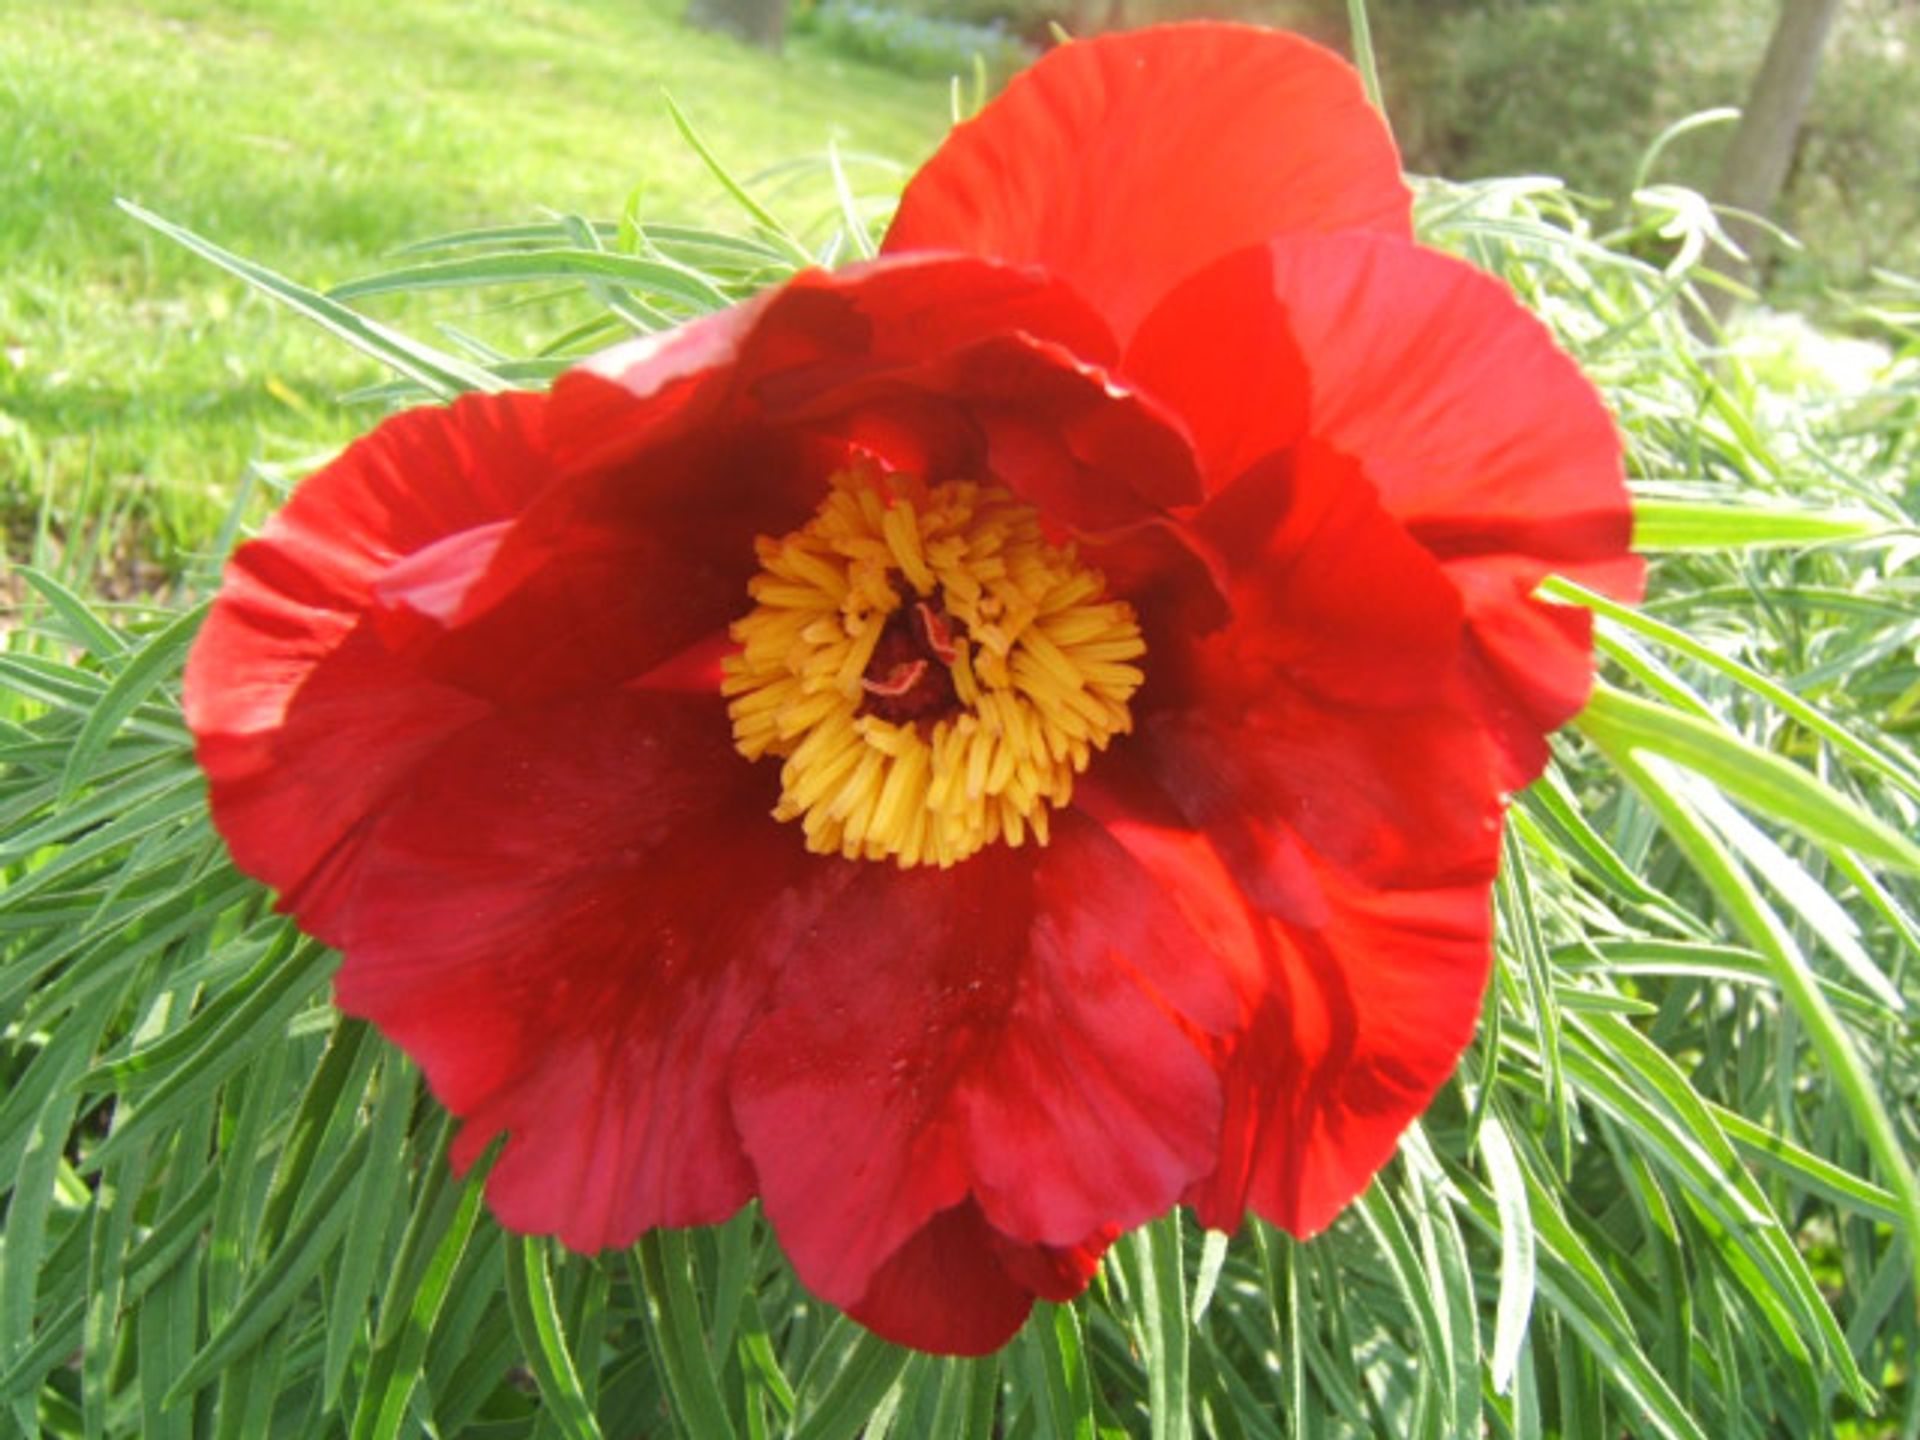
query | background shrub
(919,44)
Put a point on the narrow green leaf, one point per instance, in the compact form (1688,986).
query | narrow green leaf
(871,1368)
(1549,800)
(1361,34)
(1290,1315)
(47,1096)
(116,1196)
(1620,723)
(1520,923)
(277,1284)
(1825,917)
(328,1116)
(1674,1129)
(526,267)
(132,790)
(381,1184)
(1051,1409)
(739,1243)
(85,628)
(1702,525)
(78,692)
(164,1057)
(851,223)
(673,1309)
(156,661)
(167,1323)
(1806,1169)
(1416,1289)
(1695,961)
(761,216)
(175,804)
(1898,769)
(288,977)
(1517,1271)
(536,1319)
(430,1250)
(969,1391)
(1765,932)
(1213,1259)
(1573,1286)
(443,374)
(248,1112)
(1160,1311)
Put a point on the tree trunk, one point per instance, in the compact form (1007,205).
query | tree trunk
(758,22)
(1761,151)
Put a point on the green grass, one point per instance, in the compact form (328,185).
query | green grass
(314,139)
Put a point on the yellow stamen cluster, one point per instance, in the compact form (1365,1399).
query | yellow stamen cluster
(1036,657)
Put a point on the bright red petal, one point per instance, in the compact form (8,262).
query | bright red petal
(1362,1019)
(944,1290)
(1329,594)
(1478,433)
(302,721)
(1363,846)
(1317,784)
(1338,863)
(568,921)
(786,348)
(1017,1032)
(1218,351)
(1125,163)
(1485,441)
(959,1287)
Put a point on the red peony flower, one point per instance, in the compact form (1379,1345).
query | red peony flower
(974,749)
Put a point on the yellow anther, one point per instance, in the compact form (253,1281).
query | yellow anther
(931,672)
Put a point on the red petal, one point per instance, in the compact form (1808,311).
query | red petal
(568,921)
(1063,436)
(301,720)
(1009,1031)
(959,1287)
(943,1290)
(294,802)
(1218,351)
(1054,1272)
(815,334)
(1484,440)
(1124,164)
(1329,763)
(1337,864)
(1396,798)
(1363,844)
(1092,1102)
(1328,593)
(1363,1018)
(611,575)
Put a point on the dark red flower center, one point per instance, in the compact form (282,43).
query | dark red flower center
(909,679)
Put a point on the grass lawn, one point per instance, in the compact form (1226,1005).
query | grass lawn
(314,139)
